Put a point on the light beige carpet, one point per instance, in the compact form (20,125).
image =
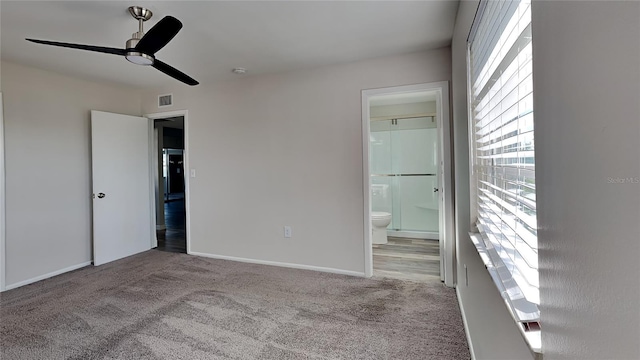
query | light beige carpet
(159,305)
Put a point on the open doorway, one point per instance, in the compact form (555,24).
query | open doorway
(170,184)
(408,183)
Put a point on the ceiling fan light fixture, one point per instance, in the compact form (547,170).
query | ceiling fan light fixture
(139,58)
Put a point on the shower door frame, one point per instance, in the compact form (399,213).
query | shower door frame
(447,234)
(418,234)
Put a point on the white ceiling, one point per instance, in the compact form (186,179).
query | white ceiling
(262,36)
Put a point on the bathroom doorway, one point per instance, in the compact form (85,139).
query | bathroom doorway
(170,181)
(407,182)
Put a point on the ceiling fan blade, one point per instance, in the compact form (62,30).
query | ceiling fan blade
(100,49)
(174,73)
(159,35)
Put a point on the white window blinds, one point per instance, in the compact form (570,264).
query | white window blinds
(501,89)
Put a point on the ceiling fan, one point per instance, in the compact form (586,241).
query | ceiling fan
(141,48)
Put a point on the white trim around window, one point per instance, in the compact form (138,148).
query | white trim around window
(503,156)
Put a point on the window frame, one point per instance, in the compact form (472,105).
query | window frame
(530,330)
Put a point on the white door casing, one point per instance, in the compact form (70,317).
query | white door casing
(445,187)
(122,218)
(440,183)
(445,178)
(188,171)
(2,201)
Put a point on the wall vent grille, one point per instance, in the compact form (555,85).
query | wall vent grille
(165,100)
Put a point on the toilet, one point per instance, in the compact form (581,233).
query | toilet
(379,221)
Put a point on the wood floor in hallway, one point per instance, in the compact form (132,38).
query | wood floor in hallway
(174,238)
(407,259)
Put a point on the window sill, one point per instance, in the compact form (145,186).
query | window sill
(532,337)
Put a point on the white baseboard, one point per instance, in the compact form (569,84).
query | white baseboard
(466,327)
(46,276)
(414,234)
(281,264)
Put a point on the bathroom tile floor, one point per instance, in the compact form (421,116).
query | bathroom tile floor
(407,259)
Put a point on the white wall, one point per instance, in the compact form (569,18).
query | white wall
(286,149)
(586,68)
(493,332)
(48,169)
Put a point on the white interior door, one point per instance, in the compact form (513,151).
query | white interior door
(2,201)
(121,187)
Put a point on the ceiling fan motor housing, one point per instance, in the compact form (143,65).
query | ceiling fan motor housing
(135,56)
(131,43)
(141,14)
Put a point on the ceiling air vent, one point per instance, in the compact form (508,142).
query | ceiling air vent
(165,100)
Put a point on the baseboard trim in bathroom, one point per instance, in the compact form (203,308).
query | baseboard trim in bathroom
(280,264)
(414,234)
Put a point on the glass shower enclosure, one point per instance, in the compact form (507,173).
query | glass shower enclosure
(404,175)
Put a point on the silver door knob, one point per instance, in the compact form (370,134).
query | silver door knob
(101,195)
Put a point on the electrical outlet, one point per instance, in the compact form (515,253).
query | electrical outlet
(287,231)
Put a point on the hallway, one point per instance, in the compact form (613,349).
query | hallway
(174,238)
